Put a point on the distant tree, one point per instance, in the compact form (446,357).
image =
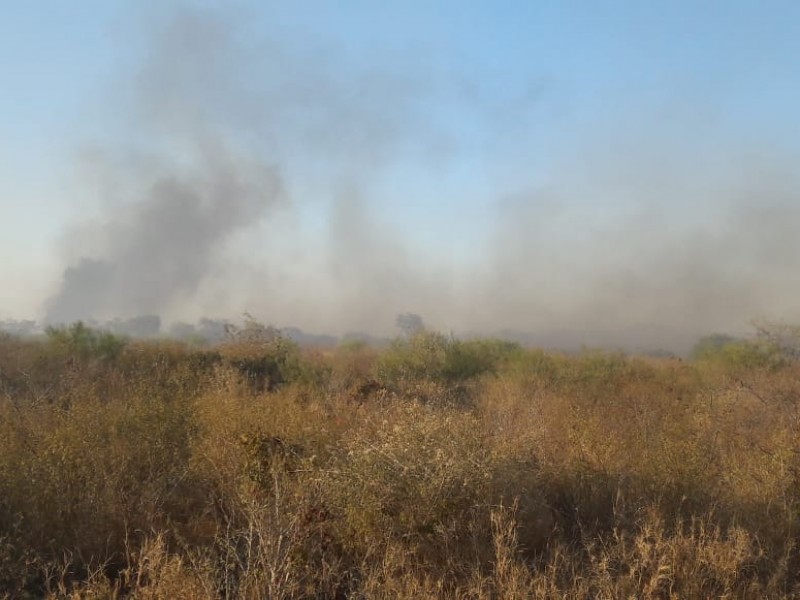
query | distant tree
(252,331)
(183,331)
(409,323)
(712,344)
(21,328)
(783,336)
(302,338)
(140,326)
(742,353)
(212,330)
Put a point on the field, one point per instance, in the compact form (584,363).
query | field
(434,468)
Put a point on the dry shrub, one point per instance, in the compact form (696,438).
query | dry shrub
(433,469)
(427,479)
(77,480)
(688,560)
(153,573)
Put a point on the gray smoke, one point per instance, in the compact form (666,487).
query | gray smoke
(213,125)
(651,247)
(647,236)
(186,187)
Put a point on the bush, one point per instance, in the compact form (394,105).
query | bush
(432,356)
(738,354)
(84,343)
(265,359)
(156,472)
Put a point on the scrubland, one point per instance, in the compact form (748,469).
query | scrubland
(435,468)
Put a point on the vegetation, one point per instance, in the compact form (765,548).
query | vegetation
(435,468)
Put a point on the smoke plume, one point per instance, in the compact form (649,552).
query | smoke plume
(191,186)
(256,175)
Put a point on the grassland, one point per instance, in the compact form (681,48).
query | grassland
(435,468)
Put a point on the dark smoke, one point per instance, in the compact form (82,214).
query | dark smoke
(162,244)
(162,250)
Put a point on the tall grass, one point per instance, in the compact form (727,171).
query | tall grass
(435,468)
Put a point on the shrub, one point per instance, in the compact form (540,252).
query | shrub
(738,354)
(432,356)
(154,473)
(266,364)
(84,343)
(414,476)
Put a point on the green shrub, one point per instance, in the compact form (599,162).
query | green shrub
(264,365)
(432,356)
(739,354)
(85,343)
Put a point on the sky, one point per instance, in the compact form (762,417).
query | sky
(621,171)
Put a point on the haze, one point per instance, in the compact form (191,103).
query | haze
(616,173)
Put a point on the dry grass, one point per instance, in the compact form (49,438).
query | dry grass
(432,469)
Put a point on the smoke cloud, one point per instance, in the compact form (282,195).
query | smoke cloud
(174,199)
(256,175)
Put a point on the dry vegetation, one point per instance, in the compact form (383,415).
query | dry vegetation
(431,469)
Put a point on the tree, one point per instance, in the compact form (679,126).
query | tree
(410,324)
(783,336)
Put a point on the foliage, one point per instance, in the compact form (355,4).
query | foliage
(410,324)
(783,337)
(432,356)
(264,358)
(84,343)
(740,353)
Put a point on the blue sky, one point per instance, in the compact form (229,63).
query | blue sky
(604,108)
